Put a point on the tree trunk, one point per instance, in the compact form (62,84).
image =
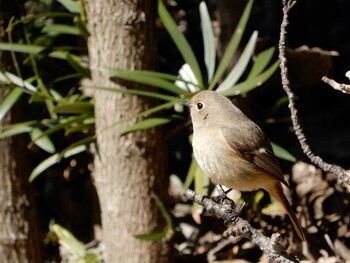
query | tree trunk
(127,168)
(19,231)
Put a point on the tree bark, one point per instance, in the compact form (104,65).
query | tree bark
(127,168)
(19,231)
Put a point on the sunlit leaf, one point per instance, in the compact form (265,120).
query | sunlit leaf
(18,128)
(188,81)
(24,48)
(249,84)
(146,124)
(180,41)
(240,66)
(9,101)
(70,5)
(42,141)
(8,77)
(141,93)
(261,61)
(283,153)
(144,78)
(53,159)
(67,240)
(232,45)
(208,40)
(56,29)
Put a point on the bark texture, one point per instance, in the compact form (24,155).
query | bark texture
(128,168)
(19,231)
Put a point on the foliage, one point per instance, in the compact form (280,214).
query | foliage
(67,113)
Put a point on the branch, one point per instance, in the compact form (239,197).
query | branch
(337,86)
(316,160)
(271,246)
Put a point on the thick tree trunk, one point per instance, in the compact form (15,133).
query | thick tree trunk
(128,168)
(19,231)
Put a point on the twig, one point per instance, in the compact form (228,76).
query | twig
(271,246)
(338,171)
(337,86)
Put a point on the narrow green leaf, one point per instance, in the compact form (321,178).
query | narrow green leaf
(146,124)
(136,92)
(70,5)
(8,77)
(42,141)
(163,210)
(261,61)
(147,73)
(145,78)
(180,41)
(18,128)
(75,108)
(83,142)
(208,40)
(240,66)
(56,29)
(153,236)
(232,45)
(75,62)
(9,101)
(23,48)
(201,181)
(249,84)
(190,174)
(67,240)
(283,153)
(53,159)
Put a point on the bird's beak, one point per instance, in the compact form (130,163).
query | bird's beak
(186,103)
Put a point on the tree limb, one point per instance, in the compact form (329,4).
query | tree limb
(271,246)
(316,160)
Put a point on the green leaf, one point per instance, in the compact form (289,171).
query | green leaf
(283,153)
(240,66)
(180,41)
(163,210)
(23,48)
(249,84)
(67,240)
(56,29)
(232,45)
(75,62)
(53,159)
(208,40)
(42,141)
(18,128)
(75,108)
(261,61)
(70,5)
(9,101)
(190,174)
(146,124)
(153,236)
(142,93)
(8,77)
(145,77)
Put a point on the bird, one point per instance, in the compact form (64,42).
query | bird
(233,151)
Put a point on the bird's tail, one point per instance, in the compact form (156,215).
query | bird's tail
(277,193)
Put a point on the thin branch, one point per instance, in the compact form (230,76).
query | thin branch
(337,86)
(338,171)
(271,246)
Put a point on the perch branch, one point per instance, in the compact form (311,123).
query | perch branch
(240,227)
(338,171)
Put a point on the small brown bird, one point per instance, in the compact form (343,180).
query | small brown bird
(233,151)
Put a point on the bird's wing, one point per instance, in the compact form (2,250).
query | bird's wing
(255,149)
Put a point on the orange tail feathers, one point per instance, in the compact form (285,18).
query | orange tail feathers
(277,193)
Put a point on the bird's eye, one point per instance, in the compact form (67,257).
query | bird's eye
(199,106)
